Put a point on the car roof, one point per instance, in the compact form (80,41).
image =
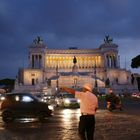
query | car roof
(14,94)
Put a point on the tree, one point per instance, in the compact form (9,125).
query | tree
(132,79)
(8,84)
(138,80)
(7,81)
(135,63)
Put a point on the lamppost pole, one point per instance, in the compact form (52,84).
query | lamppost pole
(95,84)
(57,82)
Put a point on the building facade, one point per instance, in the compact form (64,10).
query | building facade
(74,67)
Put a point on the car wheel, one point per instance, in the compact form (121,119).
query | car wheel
(41,116)
(7,116)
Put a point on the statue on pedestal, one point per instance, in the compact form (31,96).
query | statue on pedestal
(74,60)
(108,39)
(38,40)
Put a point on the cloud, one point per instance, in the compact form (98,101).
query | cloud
(65,23)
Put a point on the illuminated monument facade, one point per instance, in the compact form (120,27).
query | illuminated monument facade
(74,67)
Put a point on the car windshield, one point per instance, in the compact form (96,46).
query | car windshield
(68,96)
(26,98)
(37,98)
(20,98)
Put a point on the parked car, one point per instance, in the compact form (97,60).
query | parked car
(20,105)
(68,100)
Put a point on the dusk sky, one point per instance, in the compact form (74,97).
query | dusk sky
(64,24)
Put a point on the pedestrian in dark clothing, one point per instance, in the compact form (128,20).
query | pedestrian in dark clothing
(113,101)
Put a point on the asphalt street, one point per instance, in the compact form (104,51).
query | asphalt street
(116,125)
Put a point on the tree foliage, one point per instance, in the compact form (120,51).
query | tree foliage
(135,63)
(8,84)
(138,80)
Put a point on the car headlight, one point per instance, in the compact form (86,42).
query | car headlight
(2,98)
(49,97)
(78,101)
(50,107)
(67,101)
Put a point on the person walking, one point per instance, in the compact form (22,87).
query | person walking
(88,108)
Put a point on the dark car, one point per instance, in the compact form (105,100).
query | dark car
(20,105)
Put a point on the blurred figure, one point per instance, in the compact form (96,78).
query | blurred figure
(113,101)
(88,107)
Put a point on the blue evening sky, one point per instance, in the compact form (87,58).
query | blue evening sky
(64,24)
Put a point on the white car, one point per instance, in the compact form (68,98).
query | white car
(68,100)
